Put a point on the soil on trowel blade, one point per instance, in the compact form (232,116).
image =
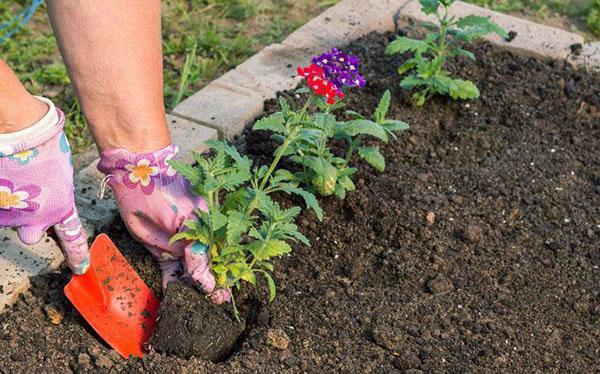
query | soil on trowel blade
(475,251)
(190,325)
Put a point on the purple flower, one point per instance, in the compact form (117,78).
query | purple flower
(340,69)
(21,198)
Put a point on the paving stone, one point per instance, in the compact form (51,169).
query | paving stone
(189,136)
(348,20)
(587,57)
(271,70)
(532,39)
(223,107)
(18,262)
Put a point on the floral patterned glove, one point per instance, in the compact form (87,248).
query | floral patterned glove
(36,187)
(154,201)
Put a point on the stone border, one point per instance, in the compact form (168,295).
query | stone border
(226,105)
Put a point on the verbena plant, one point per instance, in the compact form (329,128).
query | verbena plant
(322,171)
(243,229)
(426,68)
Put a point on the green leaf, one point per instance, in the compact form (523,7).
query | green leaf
(373,157)
(394,125)
(249,277)
(324,122)
(354,114)
(366,127)
(274,123)
(309,199)
(382,107)
(239,270)
(456,88)
(299,236)
(217,219)
(189,172)
(188,235)
(482,23)
(432,67)
(347,183)
(411,81)
(340,192)
(272,288)
(263,251)
(403,44)
(283,104)
(429,6)
(407,66)
(462,52)
(237,225)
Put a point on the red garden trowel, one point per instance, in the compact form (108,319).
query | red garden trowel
(114,299)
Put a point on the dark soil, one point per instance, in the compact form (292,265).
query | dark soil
(190,325)
(476,250)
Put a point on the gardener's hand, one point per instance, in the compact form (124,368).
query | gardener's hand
(155,201)
(36,187)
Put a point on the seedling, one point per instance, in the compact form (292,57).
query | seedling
(426,68)
(243,229)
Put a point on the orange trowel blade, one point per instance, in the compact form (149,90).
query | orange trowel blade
(114,300)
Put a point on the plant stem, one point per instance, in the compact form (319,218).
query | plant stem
(350,152)
(443,31)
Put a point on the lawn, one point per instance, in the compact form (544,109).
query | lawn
(205,38)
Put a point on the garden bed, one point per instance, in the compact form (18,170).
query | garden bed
(475,250)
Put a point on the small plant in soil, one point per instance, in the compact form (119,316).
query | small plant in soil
(442,42)
(243,229)
(323,171)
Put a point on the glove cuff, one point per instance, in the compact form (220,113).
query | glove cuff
(39,133)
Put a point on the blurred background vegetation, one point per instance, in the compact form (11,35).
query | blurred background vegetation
(202,39)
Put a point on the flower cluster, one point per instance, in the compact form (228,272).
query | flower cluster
(315,77)
(330,73)
(340,69)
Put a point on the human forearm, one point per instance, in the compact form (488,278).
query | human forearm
(113,52)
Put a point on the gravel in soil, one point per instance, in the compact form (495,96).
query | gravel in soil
(476,250)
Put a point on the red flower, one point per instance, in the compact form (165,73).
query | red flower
(315,78)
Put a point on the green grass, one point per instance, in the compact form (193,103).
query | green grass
(202,39)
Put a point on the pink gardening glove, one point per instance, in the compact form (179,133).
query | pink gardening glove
(36,187)
(154,201)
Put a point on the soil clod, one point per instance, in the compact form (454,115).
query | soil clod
(189,325)
(278,339)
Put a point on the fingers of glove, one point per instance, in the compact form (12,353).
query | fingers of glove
(196,266)
(171,271)
(31,234)
(154,237)
(220,296)
(73,241)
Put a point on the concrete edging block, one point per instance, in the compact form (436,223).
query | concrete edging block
(271,70)
(532,39)
(222,107)
(348,20)
(588,57)
(189,136)
(18,262)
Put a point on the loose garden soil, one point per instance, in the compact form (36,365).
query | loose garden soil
(476,250)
